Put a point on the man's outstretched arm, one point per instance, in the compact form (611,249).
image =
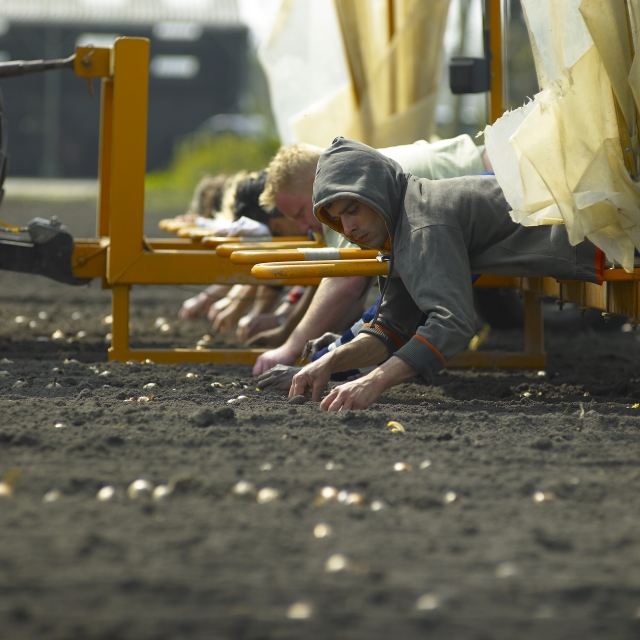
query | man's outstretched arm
(335,299)
(363,351)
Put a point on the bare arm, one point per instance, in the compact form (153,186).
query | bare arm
(333,301)
(363,351)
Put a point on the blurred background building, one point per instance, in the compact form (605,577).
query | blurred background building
(376,70)
(198,69)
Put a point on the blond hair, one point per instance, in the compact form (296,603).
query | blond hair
(289,170)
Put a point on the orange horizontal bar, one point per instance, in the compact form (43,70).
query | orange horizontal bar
(174,356)
(214,241)
(616,275)
(192,267)
(225,250)
(282,255)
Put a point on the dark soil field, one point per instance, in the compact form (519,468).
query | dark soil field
(515,515)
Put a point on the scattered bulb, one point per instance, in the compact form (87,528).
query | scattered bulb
(395,427)
(52,496)
(322,530)
(6,490)
(268,494)
(143,399)
(191,376)
(206,338)
(343,494)
(130,362)
(378,505)
(402,466)
(449,497)
(427,602)
(6,361)
(107,319)
(148,361)
(73,361)
(161,492)
(138,488)
(4,374)
(542,373)
(159,322)
(105,373)
(76,315)
(330,466)
(244,489)
(80,335)
(326,494)
(59,425)
(19,383)
(300,611)
(20,319)
(266,466)
(165,328)
(53,385)
(58,334)
(33,325)
(543,496)
(336,562)
(425,463)
(217,385)
(150,385)
(238,399)
(106,493)
(354,498)
(108,337)
(506,570)
(43,315)
(526,394)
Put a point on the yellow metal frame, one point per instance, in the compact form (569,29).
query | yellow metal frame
(121,255)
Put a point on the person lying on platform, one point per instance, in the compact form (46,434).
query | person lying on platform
(435,235)
(238,211)
(289,188)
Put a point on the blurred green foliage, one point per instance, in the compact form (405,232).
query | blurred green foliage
(202,154)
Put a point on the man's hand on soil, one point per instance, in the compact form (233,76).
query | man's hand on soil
(281,355)
(357,394)
(314,377)
(278,378)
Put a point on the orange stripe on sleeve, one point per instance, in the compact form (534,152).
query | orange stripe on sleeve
(391,335)
(444,362)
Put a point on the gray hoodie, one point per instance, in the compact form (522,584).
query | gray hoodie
(439,233)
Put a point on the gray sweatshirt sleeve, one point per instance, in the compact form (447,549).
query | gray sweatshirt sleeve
(438,284)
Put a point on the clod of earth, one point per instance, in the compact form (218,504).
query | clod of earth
(297,400)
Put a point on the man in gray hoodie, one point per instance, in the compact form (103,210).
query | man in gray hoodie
(435,234)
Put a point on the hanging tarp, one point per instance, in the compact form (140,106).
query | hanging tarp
(366,70)
(562,156)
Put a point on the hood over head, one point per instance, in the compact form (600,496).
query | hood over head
(350,169)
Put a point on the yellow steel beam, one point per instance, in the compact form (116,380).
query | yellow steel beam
(128,153)
(283,255)
(193,267)
(175,356)
(225,250)
(322,269)
(104,158)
